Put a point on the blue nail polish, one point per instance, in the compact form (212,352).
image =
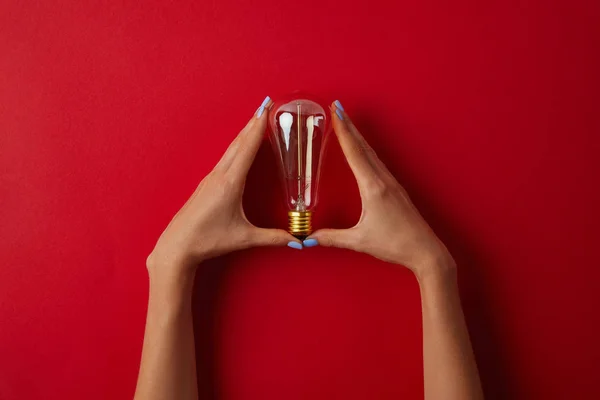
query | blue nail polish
(295,245)
(339,105)
(310,243)
(339,114)
(266,101)
(260,111)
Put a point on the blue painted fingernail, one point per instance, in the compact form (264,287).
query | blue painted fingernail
(339,105)
(339,114)
(295,245)
(261,109)
(310,243)
(265,101)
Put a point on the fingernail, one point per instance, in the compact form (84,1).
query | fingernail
(295,245)
(310,243)
(339,105)
(261,109)
(339,114)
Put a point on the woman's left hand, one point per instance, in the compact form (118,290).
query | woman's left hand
(212,222)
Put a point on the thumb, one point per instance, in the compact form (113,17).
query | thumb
(342,238)
(272,237)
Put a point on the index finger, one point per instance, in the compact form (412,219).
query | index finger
(246,141)
(361,157)
(250,140)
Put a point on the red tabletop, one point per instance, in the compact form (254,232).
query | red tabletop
(112,112)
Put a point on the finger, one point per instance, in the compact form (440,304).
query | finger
(250,141)
(355,148)
(341,238)
(370,153)
(272,237)
(232,151)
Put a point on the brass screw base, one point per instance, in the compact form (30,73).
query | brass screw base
(300,223)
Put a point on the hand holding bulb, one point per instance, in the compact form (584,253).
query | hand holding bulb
(212,222)
(390,227)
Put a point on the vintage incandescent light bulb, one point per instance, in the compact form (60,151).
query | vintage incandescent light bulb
(299,132)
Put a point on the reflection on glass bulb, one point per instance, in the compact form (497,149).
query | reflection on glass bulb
(299,130)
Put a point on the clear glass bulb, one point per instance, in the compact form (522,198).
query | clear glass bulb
(299,131)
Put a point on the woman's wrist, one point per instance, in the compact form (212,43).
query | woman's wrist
(436,269)
(172,279)
(171,294)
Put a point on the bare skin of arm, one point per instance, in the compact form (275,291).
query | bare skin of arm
(391,229)
(448,361)
(168,368)
(211,223)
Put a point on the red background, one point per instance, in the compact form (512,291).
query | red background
(111,113)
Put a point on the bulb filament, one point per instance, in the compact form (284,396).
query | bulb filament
(300,202)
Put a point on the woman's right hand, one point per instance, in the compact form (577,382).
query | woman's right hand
(213,222)
(390,227)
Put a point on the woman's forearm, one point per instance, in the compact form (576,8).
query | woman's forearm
(168,367)
(211,223)
(450,371)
